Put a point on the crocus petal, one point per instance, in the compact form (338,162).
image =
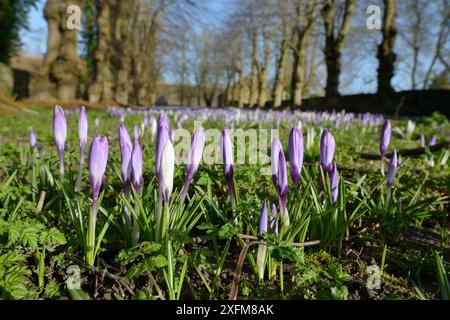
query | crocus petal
(98,158)
(136,166)
(227,154)
(392,169)
(82,128)
(263,219)
(167,170)
(296,154)
(195,151)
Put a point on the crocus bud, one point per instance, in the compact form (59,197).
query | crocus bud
(273,221)
(59,129)
(82,128)
(97,123)
(195,151)
(125,158)
(167,169)
(327,146)
(227,155)
(124,137)
(334,184)
(385,138)
(153,127)
(296,154)
(392,169)
(282,176)
(432,141)
(98,158)
(161,139)
(136,166)
(263,219)
(274,159)
(33,139)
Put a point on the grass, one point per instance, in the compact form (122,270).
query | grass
(325,254)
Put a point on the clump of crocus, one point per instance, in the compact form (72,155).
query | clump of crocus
(60,134)
(262,248)
(98,158)
(194,157)
(327,146)
(296,151)
(334,184)
(385,138)
(391,176)
(82,139)
(228,169)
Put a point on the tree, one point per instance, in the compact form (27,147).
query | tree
(13,18)
(335,34)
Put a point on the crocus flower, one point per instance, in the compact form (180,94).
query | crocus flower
(82,129)
(392,169)
(385,138)
(432,141)
(274,159)
(125,159)
(162,136)
(167,170)
(296,154)
(194,157)
(33,139)
(60,134)
(124,136)
(283,189)
(334,184)
(136,166)
(96,123)
(263,219)
(98,158)
(136,132)
(327,146)
(227,155)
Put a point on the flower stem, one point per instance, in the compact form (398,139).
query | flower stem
(90,254)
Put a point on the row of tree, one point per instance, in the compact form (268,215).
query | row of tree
(263,50)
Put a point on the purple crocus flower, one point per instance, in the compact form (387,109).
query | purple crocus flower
(136,166)
(167,170)
(136,132)
(263,219)
(296,154)
(82,129)
(334,184)
(98,158)
(385,138)
(33,139)
(392,170)
(327,146)
(162,136)
(124,136)
(274,159)
(432,141)
(60,134)
(283,189)
(125,158)
(227,155)
(194,157)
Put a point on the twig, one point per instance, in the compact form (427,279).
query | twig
(409,152)
(97,270)
(237,273)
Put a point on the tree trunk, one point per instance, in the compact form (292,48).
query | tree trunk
(254,73)
(62,63)
(334,45)
(262,72)
(279,77)
(386,55)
